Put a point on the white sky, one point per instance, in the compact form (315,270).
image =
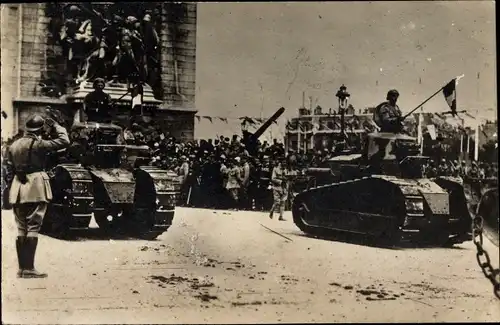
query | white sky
(253,55)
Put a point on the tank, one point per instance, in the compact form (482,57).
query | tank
(381,194)
(112,182)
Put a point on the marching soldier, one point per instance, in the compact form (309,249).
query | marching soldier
(30,191)
(264,194)
(183,173)
(245,201)
(387,115)
(280,188)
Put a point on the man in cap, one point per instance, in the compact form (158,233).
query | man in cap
(30,191)
(183,173)
(97,104)
(387,115)
(265,194)
(245,182)
(280,188)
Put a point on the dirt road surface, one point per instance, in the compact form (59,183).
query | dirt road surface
(220,267)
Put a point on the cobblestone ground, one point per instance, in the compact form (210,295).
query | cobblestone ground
(220,267)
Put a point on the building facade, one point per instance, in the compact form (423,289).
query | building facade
(317,130)
(51,51)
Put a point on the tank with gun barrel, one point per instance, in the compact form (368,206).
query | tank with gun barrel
(113,182)
(380,192)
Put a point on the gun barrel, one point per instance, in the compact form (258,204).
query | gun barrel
(268,123)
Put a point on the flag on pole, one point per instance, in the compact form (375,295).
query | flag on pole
(450,95)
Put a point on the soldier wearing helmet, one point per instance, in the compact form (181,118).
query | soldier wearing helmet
(387,115)
(97,104)
(30,191)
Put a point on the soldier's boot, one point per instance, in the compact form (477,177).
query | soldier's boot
(281,214)
(20,255)
(30,250)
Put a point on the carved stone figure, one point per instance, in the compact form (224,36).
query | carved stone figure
(105,40)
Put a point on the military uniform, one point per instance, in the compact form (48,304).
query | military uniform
(30,191)
(245,201)
(264,194)
(389,118)
(280,190)
(182,174)
(98,103)
(387,115)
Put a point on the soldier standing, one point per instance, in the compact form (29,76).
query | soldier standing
(280,188)
(245,202)
(97,104)
(387,115)
(183,173)
(30,191)
(264,185)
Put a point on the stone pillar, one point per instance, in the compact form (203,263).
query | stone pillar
(178,74)
(178,53)
(11,21)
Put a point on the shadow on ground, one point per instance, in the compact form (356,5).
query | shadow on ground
(94,234)
(370,242)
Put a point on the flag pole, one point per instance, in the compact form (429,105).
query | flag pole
(420,132)
(299,131)
(425,101)
(468,145)
(476,142)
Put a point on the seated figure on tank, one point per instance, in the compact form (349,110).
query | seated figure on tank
(97,104)
(387,115)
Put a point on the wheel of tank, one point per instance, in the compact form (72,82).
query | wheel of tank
(393,235)
(140,224)
(56,223)
(107,222)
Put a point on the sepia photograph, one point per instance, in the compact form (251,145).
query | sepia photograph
(249,162)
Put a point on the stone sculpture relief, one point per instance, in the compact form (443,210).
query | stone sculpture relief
(113,41)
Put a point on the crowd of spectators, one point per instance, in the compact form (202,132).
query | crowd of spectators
(228,173)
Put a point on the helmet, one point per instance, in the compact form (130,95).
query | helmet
(392,92)
(98,80)
(35,123)
(131,19)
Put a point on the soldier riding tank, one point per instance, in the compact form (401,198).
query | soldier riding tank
(112,182)
(382,194)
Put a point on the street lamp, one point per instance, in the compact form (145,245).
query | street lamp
(342,96)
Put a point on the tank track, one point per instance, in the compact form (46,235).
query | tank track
(73,200)
(412,224)
(160,208)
